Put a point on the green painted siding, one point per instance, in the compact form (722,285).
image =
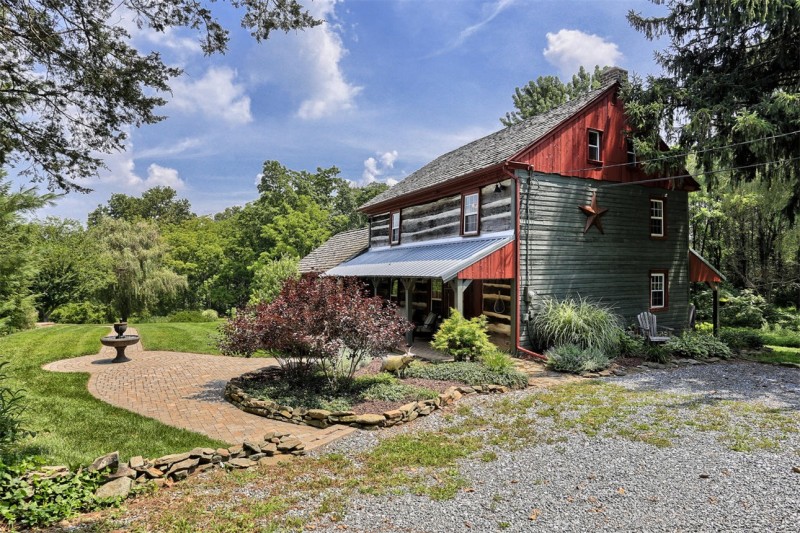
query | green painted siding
(559,260)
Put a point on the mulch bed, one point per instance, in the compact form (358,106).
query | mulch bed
(374,367)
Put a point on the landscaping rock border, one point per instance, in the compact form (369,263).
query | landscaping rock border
(321,418)
(168,469)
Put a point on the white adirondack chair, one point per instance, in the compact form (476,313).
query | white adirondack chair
(649,327)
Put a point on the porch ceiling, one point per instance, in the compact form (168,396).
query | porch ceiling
(428,260)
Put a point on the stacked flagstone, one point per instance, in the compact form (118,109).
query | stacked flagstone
(321,418)
(168,469)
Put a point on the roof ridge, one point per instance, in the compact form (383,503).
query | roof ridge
(491,149)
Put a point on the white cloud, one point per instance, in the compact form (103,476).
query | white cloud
(375,168)
(568,50)
(216,95)
(121,172)
(162,176)
(321,51)
(496,8)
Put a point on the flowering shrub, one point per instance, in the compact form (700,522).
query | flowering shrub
(317,322)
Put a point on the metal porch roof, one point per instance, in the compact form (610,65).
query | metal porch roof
(435,260)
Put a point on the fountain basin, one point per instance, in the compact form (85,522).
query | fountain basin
(119,342)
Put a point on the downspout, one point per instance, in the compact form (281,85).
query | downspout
(517,238)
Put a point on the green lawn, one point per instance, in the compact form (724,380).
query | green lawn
(194,337)
(72,427)
(780,354)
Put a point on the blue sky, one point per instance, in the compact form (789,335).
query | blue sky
(380,89)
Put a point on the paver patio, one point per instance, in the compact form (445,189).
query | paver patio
(184,390)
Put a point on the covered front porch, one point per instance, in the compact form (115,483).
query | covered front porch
(474,276)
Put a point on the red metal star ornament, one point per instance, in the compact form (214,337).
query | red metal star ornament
(593,213)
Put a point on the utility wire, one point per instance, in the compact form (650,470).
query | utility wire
(673,156)
(670,178)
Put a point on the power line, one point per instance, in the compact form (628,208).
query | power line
(673,156)
(670,178)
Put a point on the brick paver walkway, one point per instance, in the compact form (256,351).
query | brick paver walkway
(184,390)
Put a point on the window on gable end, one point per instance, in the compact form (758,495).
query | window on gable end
(631,149)
(595,146)
(395,228)
(470,207)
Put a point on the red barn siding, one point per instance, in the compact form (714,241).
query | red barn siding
(566,150)
(497,265)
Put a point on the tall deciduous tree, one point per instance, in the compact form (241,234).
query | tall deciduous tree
(547,92)
(71,82)
(135,254)
(158,204)
(732,78)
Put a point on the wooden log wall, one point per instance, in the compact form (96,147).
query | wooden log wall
(558,260)
(442,218)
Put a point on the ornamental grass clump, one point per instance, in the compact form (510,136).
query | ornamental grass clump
(317,324)
(465,340)
(579,322)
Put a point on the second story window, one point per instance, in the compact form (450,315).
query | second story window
(469,210)
(657,218)
(395,228)
(595,152)
(631,152)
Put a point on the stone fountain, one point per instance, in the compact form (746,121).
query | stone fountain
(120,341)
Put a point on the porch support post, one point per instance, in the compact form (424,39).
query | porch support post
(459,286)
(408,285)
(375,283)
(715,308)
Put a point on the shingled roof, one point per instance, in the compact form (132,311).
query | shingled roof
(336,250)
(493,149)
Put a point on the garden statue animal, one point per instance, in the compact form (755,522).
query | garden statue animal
(397,364)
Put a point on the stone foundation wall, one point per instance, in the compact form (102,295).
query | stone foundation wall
(321,418)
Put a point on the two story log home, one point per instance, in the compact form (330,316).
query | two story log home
(552,206)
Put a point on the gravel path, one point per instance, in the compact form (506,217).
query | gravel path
(609,483)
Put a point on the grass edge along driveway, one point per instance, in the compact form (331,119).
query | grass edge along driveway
(72,426)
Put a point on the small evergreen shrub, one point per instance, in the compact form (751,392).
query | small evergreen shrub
(210,315)
(697,346)
(578,322)
(575,359)
(30,500)
(469,374)
(497,361)
(463,339)
(741,338)
(81,313)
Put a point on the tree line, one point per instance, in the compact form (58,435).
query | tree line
(151,255)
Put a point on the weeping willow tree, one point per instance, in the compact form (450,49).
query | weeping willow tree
(135,255)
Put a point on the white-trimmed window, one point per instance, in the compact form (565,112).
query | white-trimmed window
(470,211)
(656,218)
(394,228)
(595,138)
(436,289)
(658,290)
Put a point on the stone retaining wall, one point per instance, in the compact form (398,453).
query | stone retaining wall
(168,469)
(321,418)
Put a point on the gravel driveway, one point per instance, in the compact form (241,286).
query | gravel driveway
(613,478)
